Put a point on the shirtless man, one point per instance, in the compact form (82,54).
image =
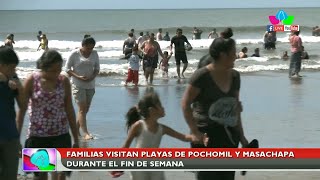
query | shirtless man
(159,35)
(128,44)
(179,50)
(150,49)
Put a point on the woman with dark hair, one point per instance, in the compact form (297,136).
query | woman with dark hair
(213,93)
(83,66)
(50,108)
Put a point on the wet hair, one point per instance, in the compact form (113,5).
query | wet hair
(227,33)
(49,58)
(167,32)
(130,34)
(141,33)
(132,30)
(244,49)
(8,56)
(160,29)
(86,36)
(165,52)
(179,29)
(152,34)
(87,41)
(221,45)
(142,109)
(296,33)
(39,32)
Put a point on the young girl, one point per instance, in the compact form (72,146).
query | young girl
(164,63)
(50,108)
(148,132)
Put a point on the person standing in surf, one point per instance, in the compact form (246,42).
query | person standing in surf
(150,49)
(180,51)
(296,52)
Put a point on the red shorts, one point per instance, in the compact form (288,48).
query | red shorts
(133,76)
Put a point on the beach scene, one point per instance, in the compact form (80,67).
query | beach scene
(280,112)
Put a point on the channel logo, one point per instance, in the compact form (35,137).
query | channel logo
(282,22)
(39,160)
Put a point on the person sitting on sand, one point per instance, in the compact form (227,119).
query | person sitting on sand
(243,52)
(256,53)
(304,54)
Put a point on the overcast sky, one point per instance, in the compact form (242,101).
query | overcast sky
(150,4)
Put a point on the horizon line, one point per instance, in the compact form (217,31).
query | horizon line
(160,8)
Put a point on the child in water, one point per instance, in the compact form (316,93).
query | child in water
(142,124)
(285,55)
(164,63)
(133,70)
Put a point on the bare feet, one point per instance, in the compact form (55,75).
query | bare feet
(87,137)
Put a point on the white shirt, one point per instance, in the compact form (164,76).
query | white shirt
(83,67)
(134,62)
(147,139)
(159,36)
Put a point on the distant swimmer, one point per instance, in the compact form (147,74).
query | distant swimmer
(285,55)
(86,36)
(196,33)
(304,54)
(256,53)
(213,34)
(9,41)
(39,35)
(128,44)
(243,52)
(43,43)
(133,35)
(166,37)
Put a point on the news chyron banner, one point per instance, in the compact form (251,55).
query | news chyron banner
(162,159)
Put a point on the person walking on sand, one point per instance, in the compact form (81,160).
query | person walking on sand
(83,66)
(142,124)
(213,92)
(150,49)
(11,124)
(296,52)
(180,52)
(50,109)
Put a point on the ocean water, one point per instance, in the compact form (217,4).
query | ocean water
(66,28)
(277,111)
